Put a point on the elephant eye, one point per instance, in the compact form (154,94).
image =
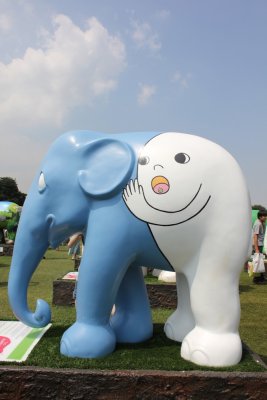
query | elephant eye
(41,183)
(182,158)
(143,160)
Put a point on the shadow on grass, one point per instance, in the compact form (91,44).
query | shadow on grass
(4,265)
(32,283)
(245,288)
(48,258)
(4,284)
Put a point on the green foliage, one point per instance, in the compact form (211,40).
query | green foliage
(9,220)
(9,191)
(157,353)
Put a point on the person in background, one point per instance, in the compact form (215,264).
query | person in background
(258,232)
(74,245)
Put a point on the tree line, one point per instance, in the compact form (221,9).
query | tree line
(9,191)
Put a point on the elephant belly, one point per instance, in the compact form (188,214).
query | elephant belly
(178,245)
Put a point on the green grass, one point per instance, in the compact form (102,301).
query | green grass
(253,324)
(157,353)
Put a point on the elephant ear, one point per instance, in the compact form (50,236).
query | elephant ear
(108,166)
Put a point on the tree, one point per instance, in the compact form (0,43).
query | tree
(9,191)
(258,207)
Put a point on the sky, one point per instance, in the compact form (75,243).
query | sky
(190,66)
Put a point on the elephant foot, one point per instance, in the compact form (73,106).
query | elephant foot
(178,325)
(130,328)
(88,341)
(212,349)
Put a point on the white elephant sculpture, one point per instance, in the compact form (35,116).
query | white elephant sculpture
(193,196)
(167,276)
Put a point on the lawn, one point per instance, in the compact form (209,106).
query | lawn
(157,353)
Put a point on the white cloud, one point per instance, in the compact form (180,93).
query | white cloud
(182,80)
(44,88)
(71,69)
(163,15)
(144,37)
(145,94)
(5,23)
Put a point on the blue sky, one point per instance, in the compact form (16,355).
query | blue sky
(189,66)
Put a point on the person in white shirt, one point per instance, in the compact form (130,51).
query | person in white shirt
(258,232)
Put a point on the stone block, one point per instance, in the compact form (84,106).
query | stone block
(160,295)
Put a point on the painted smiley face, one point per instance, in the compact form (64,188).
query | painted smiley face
(171,172)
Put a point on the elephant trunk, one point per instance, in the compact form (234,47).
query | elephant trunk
(29,249)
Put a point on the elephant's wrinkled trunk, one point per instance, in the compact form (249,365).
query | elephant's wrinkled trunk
(28,252)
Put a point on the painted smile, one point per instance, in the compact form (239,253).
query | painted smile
(194,213)
(160,185)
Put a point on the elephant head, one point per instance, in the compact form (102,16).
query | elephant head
(80,167)
(180,177)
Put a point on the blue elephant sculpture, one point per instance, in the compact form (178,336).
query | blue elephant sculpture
(170,201)
(79,188)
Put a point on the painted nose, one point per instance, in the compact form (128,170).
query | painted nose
(160,185)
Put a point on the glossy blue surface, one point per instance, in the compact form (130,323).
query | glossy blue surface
(79,188)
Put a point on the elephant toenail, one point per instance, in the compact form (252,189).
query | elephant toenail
(185,350)
(64,348)
(169,331)
(200,358)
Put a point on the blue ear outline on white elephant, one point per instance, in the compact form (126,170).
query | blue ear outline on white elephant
(108,166)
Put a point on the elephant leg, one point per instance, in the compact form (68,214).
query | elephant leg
(182,320)
(132,322)
(91,336)
(215,304)
(105,260)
